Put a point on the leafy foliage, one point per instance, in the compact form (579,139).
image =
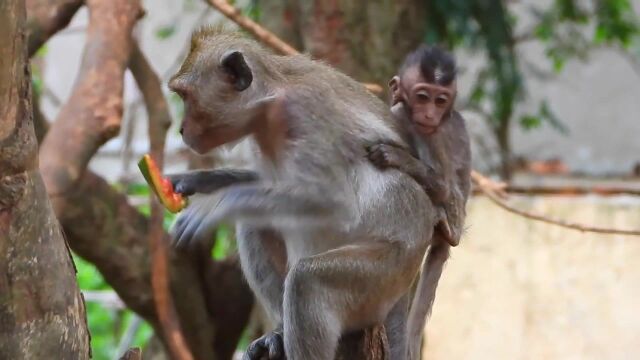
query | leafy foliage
(568,29)
(106,325)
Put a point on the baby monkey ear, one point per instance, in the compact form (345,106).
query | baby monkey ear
(237,69)
(394,87)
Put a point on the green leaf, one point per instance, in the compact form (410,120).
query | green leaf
(165,32)
(225,242)
(44,49)
(530,122)
(548,116)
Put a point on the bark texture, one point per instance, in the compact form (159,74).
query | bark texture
(46,17)
(105,229)
(365,39)
(94,111)
(42,312)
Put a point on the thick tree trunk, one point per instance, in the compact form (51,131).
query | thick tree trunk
(42,313)
(102,227)
(365,39)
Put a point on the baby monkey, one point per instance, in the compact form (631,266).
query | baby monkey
(423,94)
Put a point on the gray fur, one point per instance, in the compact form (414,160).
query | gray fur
(442,165)
(348,273)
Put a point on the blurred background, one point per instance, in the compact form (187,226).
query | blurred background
(550,90)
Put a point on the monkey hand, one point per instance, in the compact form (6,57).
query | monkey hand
(197,223)
(387,156)
(183,184)
(270,346)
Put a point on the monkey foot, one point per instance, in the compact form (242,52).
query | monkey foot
(270,346)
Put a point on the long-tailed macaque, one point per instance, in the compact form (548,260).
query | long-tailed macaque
(423,94)
(354,236)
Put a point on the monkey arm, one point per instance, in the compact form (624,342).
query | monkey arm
(255,203)
(208,181)
(433,181)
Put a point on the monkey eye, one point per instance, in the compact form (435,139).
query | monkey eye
(441,101)
(422,96)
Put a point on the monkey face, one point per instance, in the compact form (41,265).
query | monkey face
(428,104)
(214,84)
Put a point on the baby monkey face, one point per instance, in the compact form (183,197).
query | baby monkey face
(429,105)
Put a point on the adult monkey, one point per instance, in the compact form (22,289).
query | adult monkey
(423,95)
(354,236)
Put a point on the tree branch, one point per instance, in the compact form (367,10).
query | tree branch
(47,17)
(96,98)
(105,229)
(485,185)
(42,310)
(264,35)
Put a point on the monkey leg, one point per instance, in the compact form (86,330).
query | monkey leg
(425,293)
(396,328)
(342,290)
(264,264)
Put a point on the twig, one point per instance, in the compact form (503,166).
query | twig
(571,190)
(107,298)
(132,354)
(130,332)
(128,132)
(159,121)
(485,186)
(264,35)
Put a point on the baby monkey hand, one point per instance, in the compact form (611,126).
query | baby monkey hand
(386,156)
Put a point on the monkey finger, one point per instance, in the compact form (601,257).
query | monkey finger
(276,347)
(204,231)
(181,184)
(184,189)
(256,350)
(188,233)
(184,229)
(378,158)
(183,220)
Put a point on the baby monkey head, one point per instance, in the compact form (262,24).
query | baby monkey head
(426,85)
(220,87)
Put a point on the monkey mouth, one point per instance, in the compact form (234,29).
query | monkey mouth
(426,129)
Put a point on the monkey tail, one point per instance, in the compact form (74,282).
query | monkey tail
(425,294)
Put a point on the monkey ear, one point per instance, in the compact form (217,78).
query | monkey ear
(394,87)
(237,69)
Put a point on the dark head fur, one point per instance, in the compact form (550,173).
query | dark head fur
(437,65)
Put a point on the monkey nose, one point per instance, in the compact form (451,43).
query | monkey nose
(181,130)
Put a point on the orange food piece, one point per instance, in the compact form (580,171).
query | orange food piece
(161,186)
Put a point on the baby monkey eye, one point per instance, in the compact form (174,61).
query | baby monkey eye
(441,101)
(422,96)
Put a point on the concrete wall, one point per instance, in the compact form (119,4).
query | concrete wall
(518,290)
(596,99)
